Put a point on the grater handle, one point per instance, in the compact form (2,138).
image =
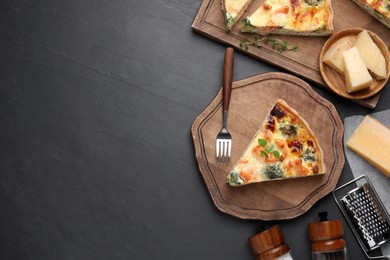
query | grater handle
(347,184)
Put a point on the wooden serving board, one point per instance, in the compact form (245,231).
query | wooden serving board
(251,101)
(304,62)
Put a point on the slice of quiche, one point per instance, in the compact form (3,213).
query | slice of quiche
(380,9)
(283,147)
(233,10)
(291,17)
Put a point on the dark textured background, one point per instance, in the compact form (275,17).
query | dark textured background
(96,157)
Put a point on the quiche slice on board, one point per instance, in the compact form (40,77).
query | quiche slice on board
(291,17)
(233,10)
(283,147)
(380,9)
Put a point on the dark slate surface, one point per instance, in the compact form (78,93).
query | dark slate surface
(96,157)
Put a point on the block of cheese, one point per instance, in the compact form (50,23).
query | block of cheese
(333,57)
(371,55)
(371,140)
(356,74)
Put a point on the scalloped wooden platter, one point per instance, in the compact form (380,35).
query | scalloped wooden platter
(336,81)
(251,100)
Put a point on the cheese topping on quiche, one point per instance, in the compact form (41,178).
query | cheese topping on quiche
(284,147)
(233,10)
(300,17)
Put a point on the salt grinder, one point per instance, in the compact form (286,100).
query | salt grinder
(269,245)
(327,239)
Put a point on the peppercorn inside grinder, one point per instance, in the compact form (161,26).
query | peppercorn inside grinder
(327,239)
(269,245)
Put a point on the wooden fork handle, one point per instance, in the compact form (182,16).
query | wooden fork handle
(227,77)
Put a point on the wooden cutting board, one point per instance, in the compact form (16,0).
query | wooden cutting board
(251,101)
(304,62)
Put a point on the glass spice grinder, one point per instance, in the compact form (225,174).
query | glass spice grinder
(269,245)
(326,237)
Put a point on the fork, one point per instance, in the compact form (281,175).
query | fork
(223,144)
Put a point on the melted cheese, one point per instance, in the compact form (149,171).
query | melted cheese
(298,16)
(233,7)
(233,10)
(371,140)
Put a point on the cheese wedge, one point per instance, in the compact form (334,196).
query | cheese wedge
(371,55)
(371,140)
(357,76)
(333,57)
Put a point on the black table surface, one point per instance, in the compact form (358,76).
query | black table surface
(97,99)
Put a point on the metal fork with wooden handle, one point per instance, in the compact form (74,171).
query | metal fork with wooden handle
(223,146)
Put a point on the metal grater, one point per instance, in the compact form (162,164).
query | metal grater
(365,214)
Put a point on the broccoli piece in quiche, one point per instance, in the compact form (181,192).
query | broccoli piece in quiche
(246,26)
(234,179)
(288,130)
(274,171)
(308,155)
(229,20)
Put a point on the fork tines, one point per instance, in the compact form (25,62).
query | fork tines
(223,148)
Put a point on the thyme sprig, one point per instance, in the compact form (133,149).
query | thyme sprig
(276,44)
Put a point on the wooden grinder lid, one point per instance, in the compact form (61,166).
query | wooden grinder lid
(328,245)
(266,240)
(326,235)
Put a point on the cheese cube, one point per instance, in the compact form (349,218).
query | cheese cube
(333,57)
(371,55)
(371,140)
(357,76)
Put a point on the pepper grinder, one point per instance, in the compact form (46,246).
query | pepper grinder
(269,245)
(327,239)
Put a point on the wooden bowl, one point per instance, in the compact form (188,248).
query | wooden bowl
(336,80)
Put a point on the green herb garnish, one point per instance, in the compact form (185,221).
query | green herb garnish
(268,149)
(262,142)
(277,44)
